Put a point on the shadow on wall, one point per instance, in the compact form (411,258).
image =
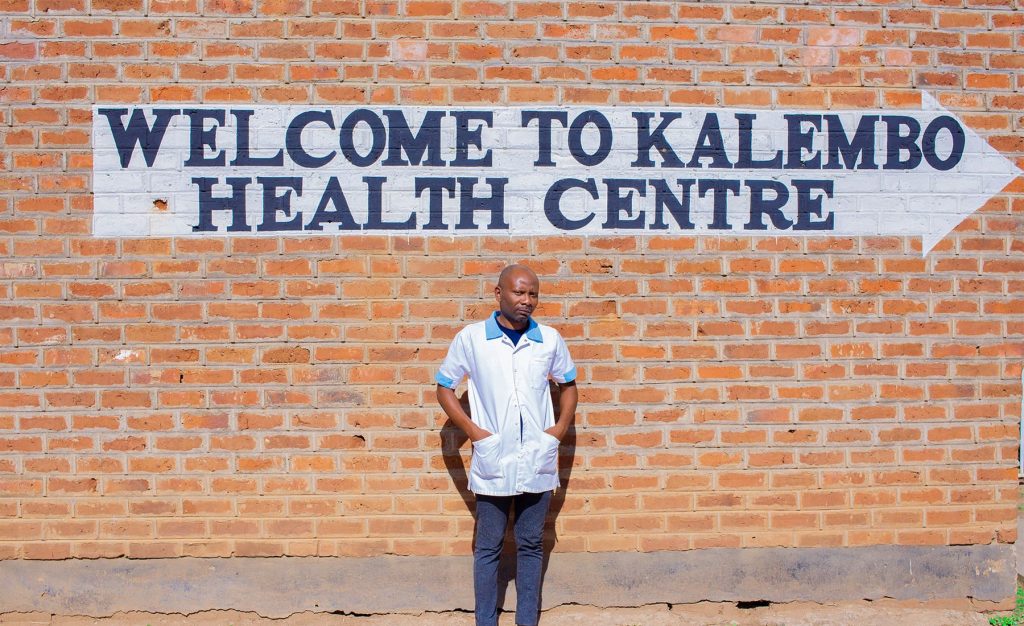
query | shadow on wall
(452,440)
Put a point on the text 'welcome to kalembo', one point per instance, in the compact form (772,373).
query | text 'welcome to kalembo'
(286,168)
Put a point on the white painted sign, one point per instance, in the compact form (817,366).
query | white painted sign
(274,170)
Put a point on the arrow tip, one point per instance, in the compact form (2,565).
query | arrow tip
(945,223)
(998,177)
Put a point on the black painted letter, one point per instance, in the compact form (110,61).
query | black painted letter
(201,138)
(806,206)
(544,119)
(138,132)
(553,199)
(761,206)
(234,203)
(468,204)
(293,139)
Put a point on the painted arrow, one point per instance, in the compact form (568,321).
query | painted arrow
(279,170)
(980,176)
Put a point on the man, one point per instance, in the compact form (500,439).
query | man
(508,358)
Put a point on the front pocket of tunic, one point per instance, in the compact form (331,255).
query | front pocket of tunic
(486,462)
(539,373)
(547,458)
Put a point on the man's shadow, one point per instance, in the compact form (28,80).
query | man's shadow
(452,442)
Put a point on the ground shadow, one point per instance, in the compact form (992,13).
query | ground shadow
(452,442)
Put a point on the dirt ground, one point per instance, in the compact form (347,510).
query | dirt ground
(864,613)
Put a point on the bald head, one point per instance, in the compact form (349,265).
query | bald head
(510,273)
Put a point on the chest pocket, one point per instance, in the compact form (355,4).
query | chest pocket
(539,368)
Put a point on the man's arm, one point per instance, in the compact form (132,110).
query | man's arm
(450,404)
(567,399)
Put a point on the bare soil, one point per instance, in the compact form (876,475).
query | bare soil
(864,613)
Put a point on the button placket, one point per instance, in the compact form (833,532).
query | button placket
(520,468)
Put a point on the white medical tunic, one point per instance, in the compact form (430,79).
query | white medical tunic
(509,397)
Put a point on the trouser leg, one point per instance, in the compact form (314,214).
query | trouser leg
(491,520)
(531,509)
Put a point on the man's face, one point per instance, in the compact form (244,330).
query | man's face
(517,296)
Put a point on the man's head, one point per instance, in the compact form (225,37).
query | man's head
(517,294)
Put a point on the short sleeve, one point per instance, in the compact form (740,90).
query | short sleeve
(563,370)
(455,365)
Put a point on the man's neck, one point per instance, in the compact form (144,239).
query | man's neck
(508,323)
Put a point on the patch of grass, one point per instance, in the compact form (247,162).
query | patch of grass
(1013,619)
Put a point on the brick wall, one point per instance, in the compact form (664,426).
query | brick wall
(167,397)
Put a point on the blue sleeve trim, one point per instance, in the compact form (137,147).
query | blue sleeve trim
(570,375)
(444,381)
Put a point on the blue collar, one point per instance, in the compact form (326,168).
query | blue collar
(492,331)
